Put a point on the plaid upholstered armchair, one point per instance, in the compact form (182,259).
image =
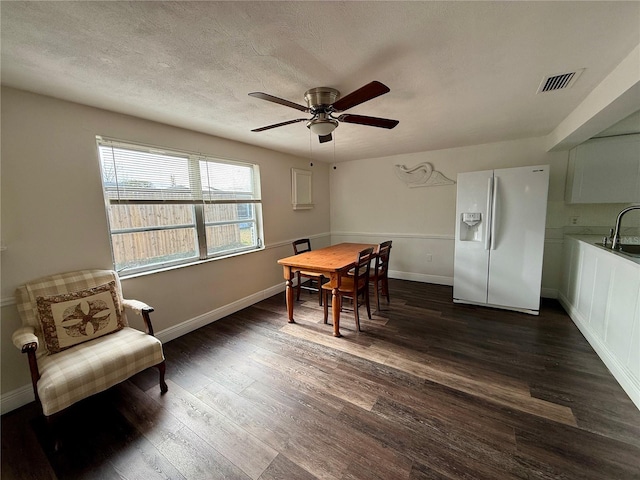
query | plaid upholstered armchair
(77,339)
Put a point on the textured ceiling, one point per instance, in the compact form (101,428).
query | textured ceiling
(460,73)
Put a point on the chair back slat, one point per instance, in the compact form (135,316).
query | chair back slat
(380,275)
(301,246)
(363,265)
(382,257)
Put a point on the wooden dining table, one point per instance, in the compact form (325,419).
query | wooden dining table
(333,262)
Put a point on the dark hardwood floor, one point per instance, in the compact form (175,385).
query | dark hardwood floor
(428,390)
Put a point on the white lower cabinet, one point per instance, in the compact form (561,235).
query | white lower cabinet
(600,290)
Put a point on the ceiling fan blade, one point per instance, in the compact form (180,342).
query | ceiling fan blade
(363,94)
(269,127)
(281,101)
(370,121)
(325,138)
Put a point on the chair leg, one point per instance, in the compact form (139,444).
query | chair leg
(366,300)
(326,305)
(51,434)
(375,284)
(52,431)
(163,385)
(385,289)
(320,289)
(298,288)
(355,311)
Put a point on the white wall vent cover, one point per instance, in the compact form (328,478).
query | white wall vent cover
(559,81)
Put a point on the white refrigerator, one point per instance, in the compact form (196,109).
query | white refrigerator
(499,237)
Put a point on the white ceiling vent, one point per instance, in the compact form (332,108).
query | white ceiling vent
(559,81)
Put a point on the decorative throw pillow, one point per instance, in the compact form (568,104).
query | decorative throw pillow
(68,319)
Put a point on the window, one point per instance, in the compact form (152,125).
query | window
(169,208)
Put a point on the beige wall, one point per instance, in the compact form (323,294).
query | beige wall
(53,216)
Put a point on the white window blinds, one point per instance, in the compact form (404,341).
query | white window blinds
(142,173)
(168,207)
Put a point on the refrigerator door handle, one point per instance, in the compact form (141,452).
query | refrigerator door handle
(487,230)
(494,213)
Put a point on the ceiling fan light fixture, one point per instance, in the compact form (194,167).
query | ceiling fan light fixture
(323,102)
(322,127)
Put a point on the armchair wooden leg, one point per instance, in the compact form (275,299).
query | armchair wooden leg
(51,432)
(163,385)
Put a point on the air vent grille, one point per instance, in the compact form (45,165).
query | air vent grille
(559,81)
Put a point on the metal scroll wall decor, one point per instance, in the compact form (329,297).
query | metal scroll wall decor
(422,175)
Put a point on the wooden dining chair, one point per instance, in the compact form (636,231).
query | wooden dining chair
(310,281)
(352,286)
(379,275)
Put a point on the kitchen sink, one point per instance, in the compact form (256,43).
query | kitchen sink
(630,249)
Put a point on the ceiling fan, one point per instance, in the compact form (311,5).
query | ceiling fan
(323,102)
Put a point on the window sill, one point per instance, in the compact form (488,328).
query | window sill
(185,265)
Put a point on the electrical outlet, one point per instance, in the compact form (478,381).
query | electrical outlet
(428,257)
(574,220)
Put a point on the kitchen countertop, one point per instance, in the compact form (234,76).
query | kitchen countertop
(596,242)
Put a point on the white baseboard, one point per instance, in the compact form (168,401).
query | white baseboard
(421,277)
(16,398)
(205,319)
(444,280)
(624,377)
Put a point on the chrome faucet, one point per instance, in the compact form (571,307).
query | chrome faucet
(615,243)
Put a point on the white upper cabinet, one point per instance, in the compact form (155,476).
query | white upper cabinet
(605,170)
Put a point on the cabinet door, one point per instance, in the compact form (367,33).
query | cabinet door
(571,270)
(622,312)
(605,170)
